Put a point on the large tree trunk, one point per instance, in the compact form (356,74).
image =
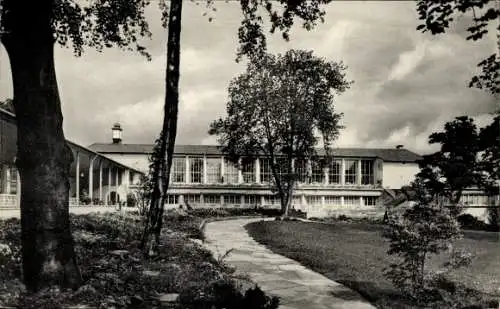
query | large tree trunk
(161,173)
(43,157)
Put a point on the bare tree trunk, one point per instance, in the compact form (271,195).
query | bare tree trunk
(43,157)
(161,173)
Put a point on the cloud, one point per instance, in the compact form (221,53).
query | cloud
(407,84)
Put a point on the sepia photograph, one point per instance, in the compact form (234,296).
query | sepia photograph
(249,154)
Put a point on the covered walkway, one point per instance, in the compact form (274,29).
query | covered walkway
(96,179)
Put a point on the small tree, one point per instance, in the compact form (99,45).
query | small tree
(421,231)
(144,195)
(275,108)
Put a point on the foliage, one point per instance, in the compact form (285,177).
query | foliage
(422,231)
(144,194)
(469,222)
(489,141)
(225,294)
(456,165)
(116,278)
(437,17)
(276,107)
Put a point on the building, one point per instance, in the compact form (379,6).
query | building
(106,173)
(95,178)
(202,177)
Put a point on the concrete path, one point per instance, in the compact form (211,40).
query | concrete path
(296,286)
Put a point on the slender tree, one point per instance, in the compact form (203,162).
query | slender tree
(252,44)
(275,109)
(437,16)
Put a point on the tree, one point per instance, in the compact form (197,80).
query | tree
(252,44)
(275,109)
(423,230)
(437,16)
(456,165)
(29,30)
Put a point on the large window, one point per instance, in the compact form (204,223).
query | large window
(265,170)
(369,200)
(196,167)
(313,200)
(211,199)
(334,171)
(317,172)
(192,199)
(333,200)
(272,200)
(474,199)
(232,199)
(351,200)
(252,200)
(214,170)
(178,170)
(301,170)
(367,172)
(248,171)
(230,172)
(351,172)
(172,199)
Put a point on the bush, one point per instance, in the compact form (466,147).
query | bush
(421,231)
(131,200)
(494,218)
(225,294)
(468,221)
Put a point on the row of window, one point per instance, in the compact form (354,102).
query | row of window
(316,174)
(252,200)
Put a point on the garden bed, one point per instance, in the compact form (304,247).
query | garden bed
(116,274)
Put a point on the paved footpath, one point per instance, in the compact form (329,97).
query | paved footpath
(296,286)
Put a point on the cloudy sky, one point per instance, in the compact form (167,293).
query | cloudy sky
(407,84)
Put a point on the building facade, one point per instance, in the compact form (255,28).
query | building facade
(95,178)
(202,177)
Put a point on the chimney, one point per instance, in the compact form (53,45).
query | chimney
(400,146)
(117,133)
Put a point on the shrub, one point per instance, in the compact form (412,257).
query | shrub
(225,294)
(494,218)
(131,200)
(421,231)
(468,221)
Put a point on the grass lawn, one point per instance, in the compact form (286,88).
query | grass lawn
(354,254)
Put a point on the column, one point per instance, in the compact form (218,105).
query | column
(342,201)
(204,169)
(18,192)
(240,172)
(342,172)
(222,168)
(257,170)
(77,178)
(109,186)
(361,201)
(116,183)
(262,200)
(187,176)
(8,177)
(91,180)
(100,180)
(358,180)
(326,174)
